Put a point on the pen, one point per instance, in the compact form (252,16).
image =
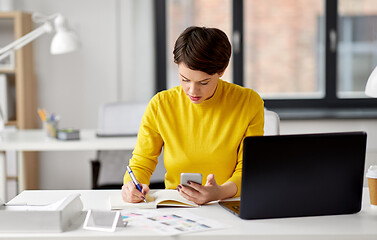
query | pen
(42,114)
(134,180)
(52,117)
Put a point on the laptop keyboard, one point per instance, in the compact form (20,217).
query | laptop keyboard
(236,208)
(231,206)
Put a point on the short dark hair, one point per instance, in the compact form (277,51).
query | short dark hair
(204,49)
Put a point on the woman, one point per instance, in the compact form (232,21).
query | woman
(201,123)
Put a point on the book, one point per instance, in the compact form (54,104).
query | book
(7,98)
(3,98)
(155,198)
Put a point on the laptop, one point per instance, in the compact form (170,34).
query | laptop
(301,175)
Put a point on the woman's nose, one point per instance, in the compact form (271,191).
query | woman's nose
(194,90)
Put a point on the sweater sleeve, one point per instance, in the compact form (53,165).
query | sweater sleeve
(148,146)
(255,128)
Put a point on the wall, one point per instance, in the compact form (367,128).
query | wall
(115,63)
(319,126)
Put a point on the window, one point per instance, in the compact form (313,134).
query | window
(184,13)
(284,50)
(357,48)
(298,54)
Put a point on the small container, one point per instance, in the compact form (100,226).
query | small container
(50,128)
(68,134)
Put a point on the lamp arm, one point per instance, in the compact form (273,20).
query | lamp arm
(45,28)
(5,55)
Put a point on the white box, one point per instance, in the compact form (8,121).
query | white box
(55,217)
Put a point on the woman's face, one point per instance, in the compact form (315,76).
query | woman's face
(197,85)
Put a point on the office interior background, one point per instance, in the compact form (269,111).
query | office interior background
(283,55)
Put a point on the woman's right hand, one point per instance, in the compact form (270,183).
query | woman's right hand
(131,194)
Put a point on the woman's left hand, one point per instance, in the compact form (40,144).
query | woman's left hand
(211,191)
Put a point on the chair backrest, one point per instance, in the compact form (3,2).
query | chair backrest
(115,119)
(271,123)
(120,118)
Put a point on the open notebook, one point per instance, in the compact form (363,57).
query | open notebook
(155,198)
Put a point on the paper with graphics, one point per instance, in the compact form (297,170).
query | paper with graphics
(168,222)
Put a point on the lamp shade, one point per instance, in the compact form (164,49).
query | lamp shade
(64,41)
(371,87)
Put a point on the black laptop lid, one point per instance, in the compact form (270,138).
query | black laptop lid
(302,175)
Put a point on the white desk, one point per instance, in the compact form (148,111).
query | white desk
(35,140)
(362,225)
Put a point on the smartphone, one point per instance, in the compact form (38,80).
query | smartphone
(193,177)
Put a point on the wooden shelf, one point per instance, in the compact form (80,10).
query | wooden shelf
(12,178)
(11,123)
(11,14)
(6,71)
(25,86)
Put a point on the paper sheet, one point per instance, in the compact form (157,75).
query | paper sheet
(169,222)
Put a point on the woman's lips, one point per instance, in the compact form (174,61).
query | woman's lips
(194,99)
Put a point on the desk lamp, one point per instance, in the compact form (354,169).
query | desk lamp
(64,40)
(371,88)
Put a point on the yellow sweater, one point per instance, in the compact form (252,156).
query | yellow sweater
(197,138)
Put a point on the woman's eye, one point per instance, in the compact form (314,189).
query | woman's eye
(204,83)
(185,80)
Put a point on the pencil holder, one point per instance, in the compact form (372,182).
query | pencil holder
(50,128)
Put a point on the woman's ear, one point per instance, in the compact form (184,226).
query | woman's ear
(221,74)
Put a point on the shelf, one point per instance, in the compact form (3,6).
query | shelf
(23,87)
(6,71)
(11,123)
(12,178)
(11,14)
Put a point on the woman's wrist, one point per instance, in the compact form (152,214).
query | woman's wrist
(227,190)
